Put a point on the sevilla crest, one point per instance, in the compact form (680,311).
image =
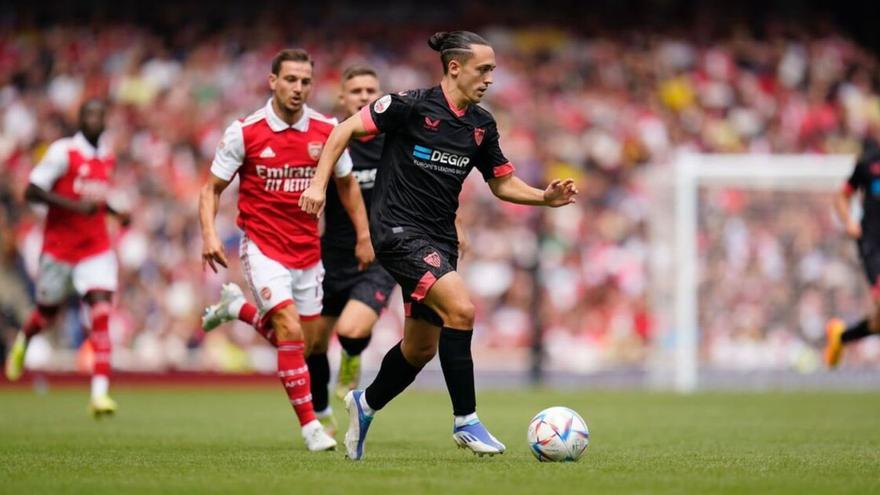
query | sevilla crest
(479,132)
(433,259)
(315,148)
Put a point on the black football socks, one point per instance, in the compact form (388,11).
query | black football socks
(458,369)
(354,346)
(395,374)
(858,331)
(319,371)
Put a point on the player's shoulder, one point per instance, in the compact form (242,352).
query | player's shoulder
(870,152)
(415,94)
(482,116)
(320,118)
(253,118)
(60,144)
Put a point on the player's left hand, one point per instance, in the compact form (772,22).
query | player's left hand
(560,193)
(312,200)
(363,251)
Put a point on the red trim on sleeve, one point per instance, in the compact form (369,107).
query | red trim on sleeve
(427,281)
(848,189)
(367,120)
(503,169)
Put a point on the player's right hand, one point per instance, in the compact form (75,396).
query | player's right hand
(312,200)
(212,251)
(854,230)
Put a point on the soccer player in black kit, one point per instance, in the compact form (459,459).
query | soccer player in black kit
(865,179)
(354,294)
(433,138)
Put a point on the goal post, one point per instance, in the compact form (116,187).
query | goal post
(673,230)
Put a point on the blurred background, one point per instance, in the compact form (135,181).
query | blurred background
(608,92)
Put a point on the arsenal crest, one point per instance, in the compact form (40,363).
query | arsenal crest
(315,148)
(266,293)
(479,132)
(433,259)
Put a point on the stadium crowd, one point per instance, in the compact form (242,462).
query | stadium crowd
(601,109)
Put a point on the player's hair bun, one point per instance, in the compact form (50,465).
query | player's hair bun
(436,40)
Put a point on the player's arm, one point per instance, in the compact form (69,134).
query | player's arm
(385,114)
(312,199)
(353,202)
(209,200)
(43,177)
(513,190)
(499,173)
(37,194)
(841,204)
(227,160)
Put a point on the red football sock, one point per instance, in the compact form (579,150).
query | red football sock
(294,376)
(36,323)
(251,315)
(100,337)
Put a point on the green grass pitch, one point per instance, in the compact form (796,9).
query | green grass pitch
(243,441)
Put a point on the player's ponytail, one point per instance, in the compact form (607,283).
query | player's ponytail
(455,45)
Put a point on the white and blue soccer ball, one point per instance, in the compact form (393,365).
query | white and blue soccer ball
(558,434)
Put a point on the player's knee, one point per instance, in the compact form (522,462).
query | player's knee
(459,314)
(351,330)
(286,327)
(419,353)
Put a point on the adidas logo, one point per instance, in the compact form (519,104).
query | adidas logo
(267,153)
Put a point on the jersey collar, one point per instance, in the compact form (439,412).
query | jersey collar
(85,148)
(458,112)
(278,125)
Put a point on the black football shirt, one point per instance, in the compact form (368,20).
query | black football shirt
(339,233)
(430,148)
(866,178)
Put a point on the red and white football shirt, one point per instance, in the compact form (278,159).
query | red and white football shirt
(74,169)
(275,163)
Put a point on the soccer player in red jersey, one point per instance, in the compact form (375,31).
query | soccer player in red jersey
(433,139)
(73,179)
(274,151)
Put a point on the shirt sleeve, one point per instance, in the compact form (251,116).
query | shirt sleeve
(388,113)
(858,180)
(490,159)
(52,166)
(344,165)
(230,153)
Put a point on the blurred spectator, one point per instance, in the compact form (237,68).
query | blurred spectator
(598,109)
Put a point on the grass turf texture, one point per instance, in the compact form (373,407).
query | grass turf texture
(244,441)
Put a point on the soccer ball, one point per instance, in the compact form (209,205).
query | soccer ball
(558,434)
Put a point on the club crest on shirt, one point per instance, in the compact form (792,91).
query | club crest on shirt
(479,132)
(315,148)
(433,259)
(266,293)
(382,104)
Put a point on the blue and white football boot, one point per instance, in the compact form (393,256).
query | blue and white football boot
(474,436)
(358,424)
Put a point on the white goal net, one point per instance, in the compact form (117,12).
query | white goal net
(747,263)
